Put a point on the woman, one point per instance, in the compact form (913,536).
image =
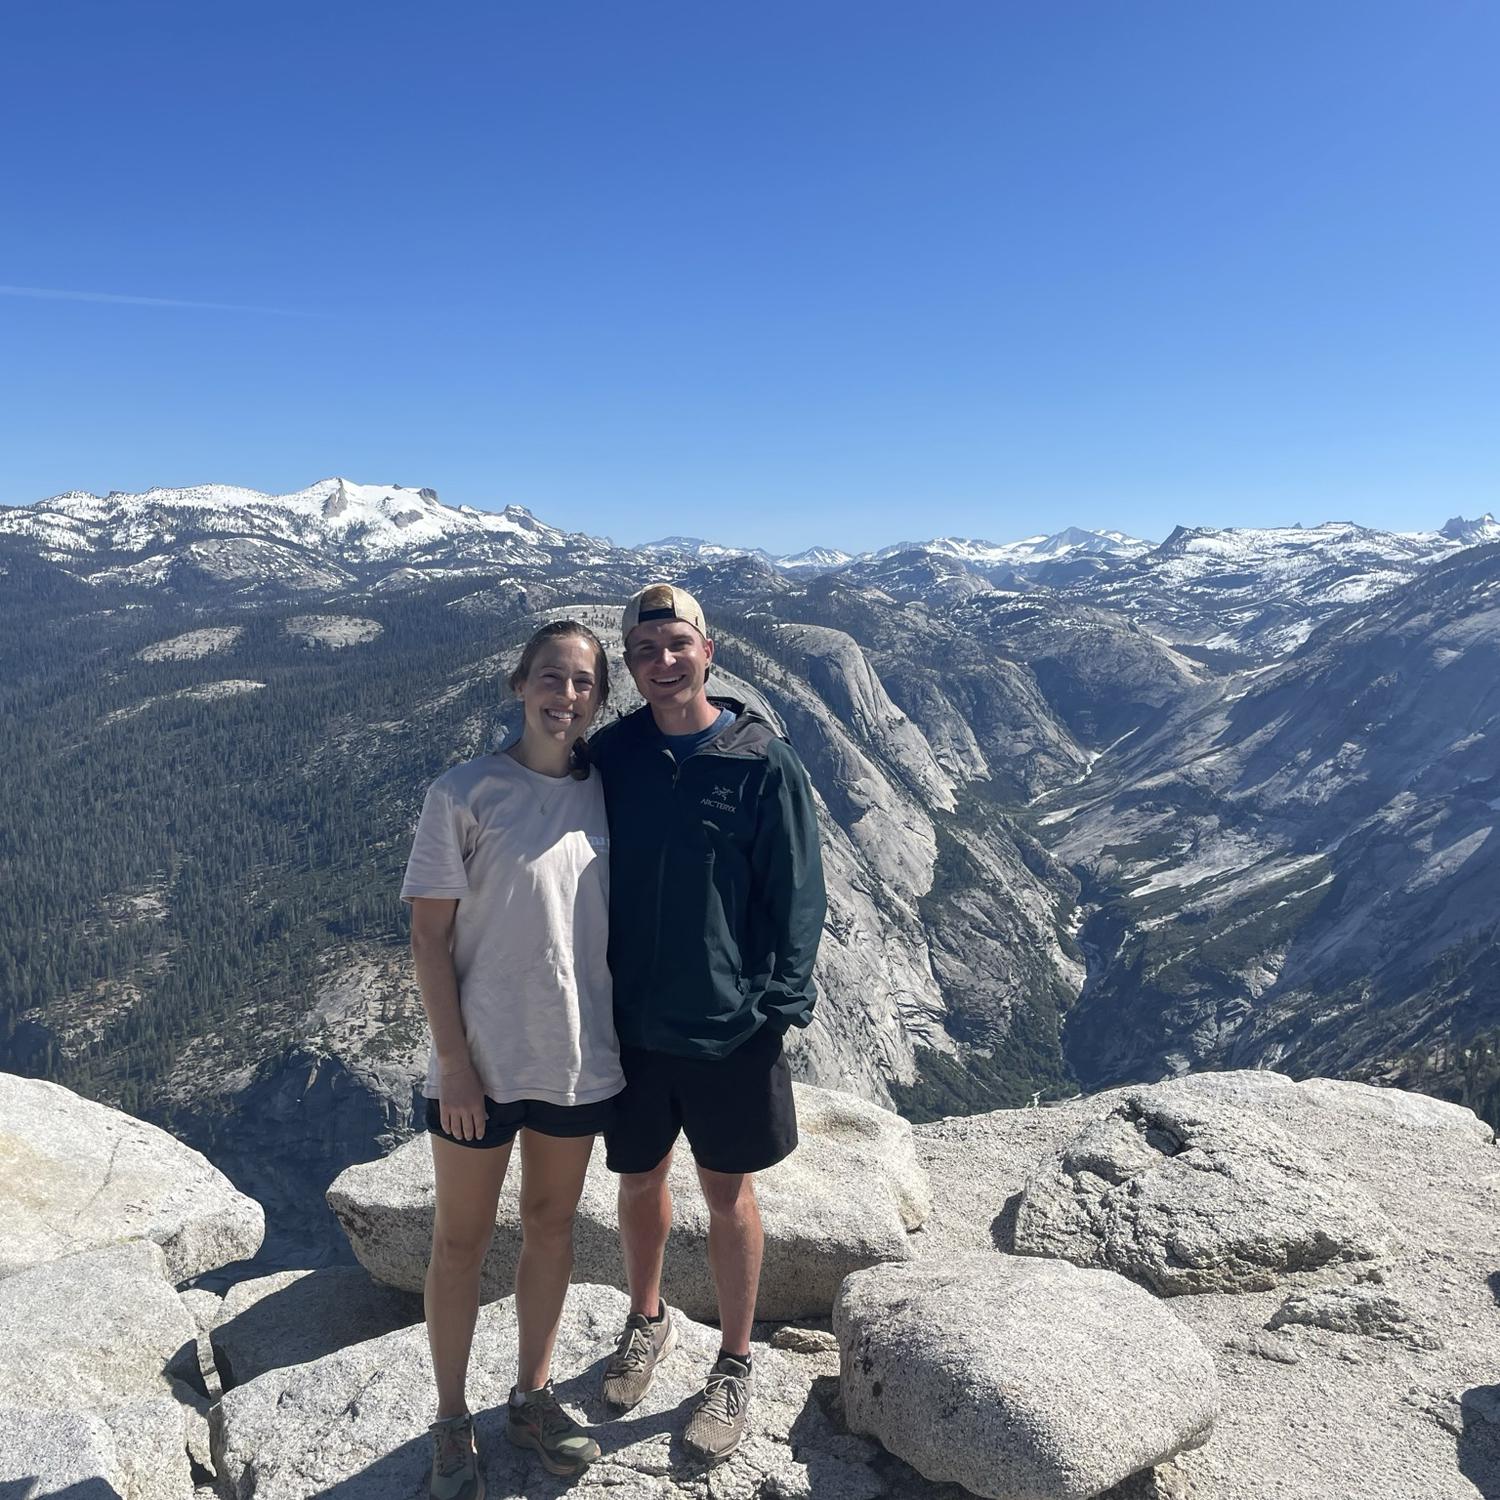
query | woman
(509,888)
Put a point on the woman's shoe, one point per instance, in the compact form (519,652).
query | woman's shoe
(536,1419)
(455,1460)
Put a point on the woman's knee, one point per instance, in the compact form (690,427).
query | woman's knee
(548,1221)
(460,1248)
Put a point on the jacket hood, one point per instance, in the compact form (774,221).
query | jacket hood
(750,733)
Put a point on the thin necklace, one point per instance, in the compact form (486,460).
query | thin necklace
(545,796)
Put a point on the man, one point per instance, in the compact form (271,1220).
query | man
(716,908)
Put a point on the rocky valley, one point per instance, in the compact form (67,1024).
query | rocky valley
(1094,812)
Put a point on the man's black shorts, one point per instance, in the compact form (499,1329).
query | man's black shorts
(502,1121)
(737,1111)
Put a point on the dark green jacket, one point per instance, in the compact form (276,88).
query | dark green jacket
(716,896)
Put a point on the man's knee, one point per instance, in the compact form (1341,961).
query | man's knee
(727,1194)
(635,1186)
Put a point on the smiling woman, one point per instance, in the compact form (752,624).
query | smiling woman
(562,681)
(509,886)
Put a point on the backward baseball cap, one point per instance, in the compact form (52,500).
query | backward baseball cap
(662,601)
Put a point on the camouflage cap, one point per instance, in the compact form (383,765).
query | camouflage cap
(662,601)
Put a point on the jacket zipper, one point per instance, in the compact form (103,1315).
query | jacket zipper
(661,875)
(661,869)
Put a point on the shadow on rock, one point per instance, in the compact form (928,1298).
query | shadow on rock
(1479,1442)
(310,1315)
(32,1489)
(1003,1226)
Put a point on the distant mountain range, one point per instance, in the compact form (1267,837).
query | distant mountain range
(1242,591)
(1093,809)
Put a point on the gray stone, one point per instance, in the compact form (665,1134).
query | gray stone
(1195,1197)
(97,1334)
(1020,1379)
(1298,1421)
(292,1317)
(204,1307)
(76,1175)
(357,1419)
(43,1452)
(1363,1310)
(804,1340)
(842,1201)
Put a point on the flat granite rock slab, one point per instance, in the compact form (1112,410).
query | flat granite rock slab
(352,1424)
(75,1175)
(292,1317)
(45,1454)
(97,1335)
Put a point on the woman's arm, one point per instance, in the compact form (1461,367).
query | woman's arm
(460,1094)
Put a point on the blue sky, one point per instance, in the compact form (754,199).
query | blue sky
(777,274)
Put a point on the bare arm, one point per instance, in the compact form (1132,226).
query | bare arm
(460,1094)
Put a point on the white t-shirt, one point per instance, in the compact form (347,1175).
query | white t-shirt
(526,856)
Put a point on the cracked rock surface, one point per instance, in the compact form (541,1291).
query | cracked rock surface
(77,1175)
(353,1423)
(1197,1196)
(1309,1412)
(88,1345)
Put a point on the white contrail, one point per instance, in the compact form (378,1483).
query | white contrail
(56,295)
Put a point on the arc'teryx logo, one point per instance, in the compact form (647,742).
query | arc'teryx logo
(723,799)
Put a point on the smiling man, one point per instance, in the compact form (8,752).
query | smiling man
(716,908)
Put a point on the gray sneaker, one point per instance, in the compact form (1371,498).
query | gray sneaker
(718,1421)
(455,1461)
(538,1421)
(642,1346)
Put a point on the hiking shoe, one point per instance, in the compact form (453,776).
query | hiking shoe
(455,1461)
(718,1421)
(643,1346)
(537,1420)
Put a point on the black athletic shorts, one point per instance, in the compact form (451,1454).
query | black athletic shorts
(502,1121)
(737,1111)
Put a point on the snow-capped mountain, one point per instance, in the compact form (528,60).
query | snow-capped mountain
(814,560)
(1471,533)
(333,534)
(1247,592)
(1260,591)
(1069,542)
(1066,841)
(357,522)
(695,547)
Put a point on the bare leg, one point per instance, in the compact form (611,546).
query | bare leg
(645,1219)
(552,1172)
(735,1246)
(468,1189)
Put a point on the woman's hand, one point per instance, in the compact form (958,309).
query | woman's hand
(461,1101)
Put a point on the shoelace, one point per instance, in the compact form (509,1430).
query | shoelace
(723,1395)
(633,1350)
(554,1421)
(453,1448)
